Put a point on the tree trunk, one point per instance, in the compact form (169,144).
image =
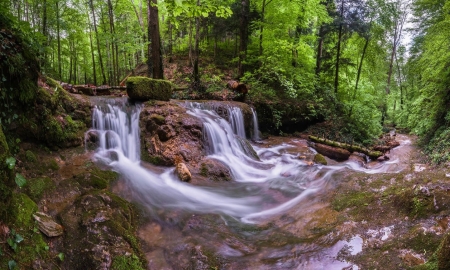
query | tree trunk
(358,75)
(92,52)
(244,21)
(196,48)
(338,53)
(261,27)
(319,51)
(59,39)
(155,41)
(98,43)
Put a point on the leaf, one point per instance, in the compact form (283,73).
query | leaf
(20,180)
(178,2)
(61,256)
(12,264)
(19,238)
(11,162)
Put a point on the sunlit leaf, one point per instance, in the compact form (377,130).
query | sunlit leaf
(20,180)
(11,162)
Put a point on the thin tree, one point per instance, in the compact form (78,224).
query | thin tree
(154,62)
(243,37)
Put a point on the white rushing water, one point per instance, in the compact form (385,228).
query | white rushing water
(259,172)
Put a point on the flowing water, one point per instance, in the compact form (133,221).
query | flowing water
(269,183)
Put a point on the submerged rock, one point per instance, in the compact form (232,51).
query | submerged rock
(47,225)
(183,172)
(143,88)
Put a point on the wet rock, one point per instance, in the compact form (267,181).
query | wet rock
(410,258)
(215,170)
(383,158)
(143,88)
(99,227)
(358,158)
(183,172)
(318,158)
(332,152)
(443,254)
(168,132)
(47,225)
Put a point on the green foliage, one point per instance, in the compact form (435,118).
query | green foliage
(20,180)
(126,262)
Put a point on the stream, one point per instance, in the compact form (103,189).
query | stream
(263,219)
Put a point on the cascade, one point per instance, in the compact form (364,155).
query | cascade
(116,124)
(255,135)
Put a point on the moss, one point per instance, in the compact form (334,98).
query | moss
(143,88)
(204,170)
(30,156)
(158,119)
(97,178)
(318,158)
(38,186)
(126,262)
(22,209)
(6,175)
(352,199)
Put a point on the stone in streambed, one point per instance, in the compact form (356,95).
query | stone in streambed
(318,158)
(183,172)
(143,88)
(47,225)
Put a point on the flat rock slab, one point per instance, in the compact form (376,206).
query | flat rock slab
(47,225)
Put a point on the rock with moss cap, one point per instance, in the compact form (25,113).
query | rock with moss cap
(318,158)
(143,89)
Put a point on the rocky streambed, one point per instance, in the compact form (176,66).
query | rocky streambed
(377,215)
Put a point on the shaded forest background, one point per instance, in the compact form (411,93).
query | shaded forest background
(346,61)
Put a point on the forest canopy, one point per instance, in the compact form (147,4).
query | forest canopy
(363,64)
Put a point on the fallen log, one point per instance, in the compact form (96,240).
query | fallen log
(91,90)
(350,147)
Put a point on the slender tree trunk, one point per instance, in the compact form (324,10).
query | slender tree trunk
(92,52)
(243,37)
(358,75)
(338,53)
(319,50)
(113,43)
(70,61)
(58,39)
(196,48)
(261,27)
(391,61)
(400,82)
(98,43)
(170,51)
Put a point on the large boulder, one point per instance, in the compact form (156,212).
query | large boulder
(143,88)
(100,230)
(170,135)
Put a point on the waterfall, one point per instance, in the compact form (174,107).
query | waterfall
(117,127)
(255,135)
(261,172)
(237,121)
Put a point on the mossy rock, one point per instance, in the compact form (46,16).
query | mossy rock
(22,209)
(6,175)
(443,253)
(38,186)
(31,157)
(318,158)
(126,262)
(144,89)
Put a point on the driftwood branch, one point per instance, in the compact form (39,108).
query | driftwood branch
(350,147)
